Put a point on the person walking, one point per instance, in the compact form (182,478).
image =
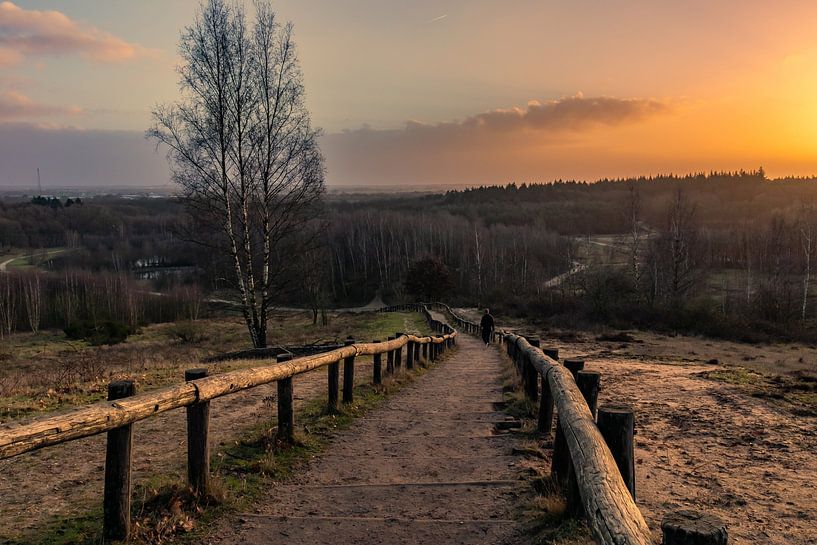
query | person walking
(487,326)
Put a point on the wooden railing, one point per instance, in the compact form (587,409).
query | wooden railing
(582,460)
(123,408)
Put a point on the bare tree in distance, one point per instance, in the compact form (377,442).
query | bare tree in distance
(33,300)
(8,305)
(242,147)
(634,220)
(806,222)
(674,255)
(682,233)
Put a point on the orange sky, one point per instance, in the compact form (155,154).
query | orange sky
(439,91)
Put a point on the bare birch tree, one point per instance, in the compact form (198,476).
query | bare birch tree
(806,224)
(8,305)
(633,219)
(33,300)
(242,147)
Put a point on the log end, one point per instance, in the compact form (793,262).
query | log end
(693,528)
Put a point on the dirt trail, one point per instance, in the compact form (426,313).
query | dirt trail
(704,445)
(426,467)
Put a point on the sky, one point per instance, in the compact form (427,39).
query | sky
(435,92)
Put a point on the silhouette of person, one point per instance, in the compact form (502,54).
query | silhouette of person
(487,325)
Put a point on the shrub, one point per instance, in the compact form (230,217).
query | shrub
(106,332)
(186,332)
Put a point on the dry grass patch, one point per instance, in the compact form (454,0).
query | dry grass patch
(45,372)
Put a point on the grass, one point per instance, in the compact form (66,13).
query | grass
(44,372)
(543,515)
(795,391)
(165,509)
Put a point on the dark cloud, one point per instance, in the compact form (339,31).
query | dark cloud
(544,141)
(487,147)
(565,114)
(72,157)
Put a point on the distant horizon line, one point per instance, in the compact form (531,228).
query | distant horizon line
(168,188)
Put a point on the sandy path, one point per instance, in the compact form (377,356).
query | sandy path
(68,479)
(424,468)
(704,445)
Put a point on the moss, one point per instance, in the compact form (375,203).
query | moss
(797,393)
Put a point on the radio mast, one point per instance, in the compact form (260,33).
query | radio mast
(39,183)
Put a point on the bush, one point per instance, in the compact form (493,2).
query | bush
(186,332)
(106,332)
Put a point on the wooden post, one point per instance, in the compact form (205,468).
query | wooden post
(410,355)
(334,381)
(531,382)
(398,355)
(589,383)
(425,352)
(529,376)
(560,464)
(417,353)
(286,411)
(390,360)
(574,366)
(616,423)
(693,528)
(545,423)
(377,377)
(198,445)
(552,353)
(560,468)
(349,375)
(116,498)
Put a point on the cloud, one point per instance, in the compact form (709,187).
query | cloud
(74,157)
(486,147)
(564,114)
(16,106)
(34,33)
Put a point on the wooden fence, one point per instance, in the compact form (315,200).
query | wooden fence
(592,447)
(593,459)
(123,408)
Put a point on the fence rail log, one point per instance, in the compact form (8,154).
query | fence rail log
(611,511)
(90,420)
(104,416)
(608,506)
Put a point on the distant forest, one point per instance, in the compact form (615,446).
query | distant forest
(705,252)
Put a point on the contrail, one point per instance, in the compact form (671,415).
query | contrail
(434,20)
